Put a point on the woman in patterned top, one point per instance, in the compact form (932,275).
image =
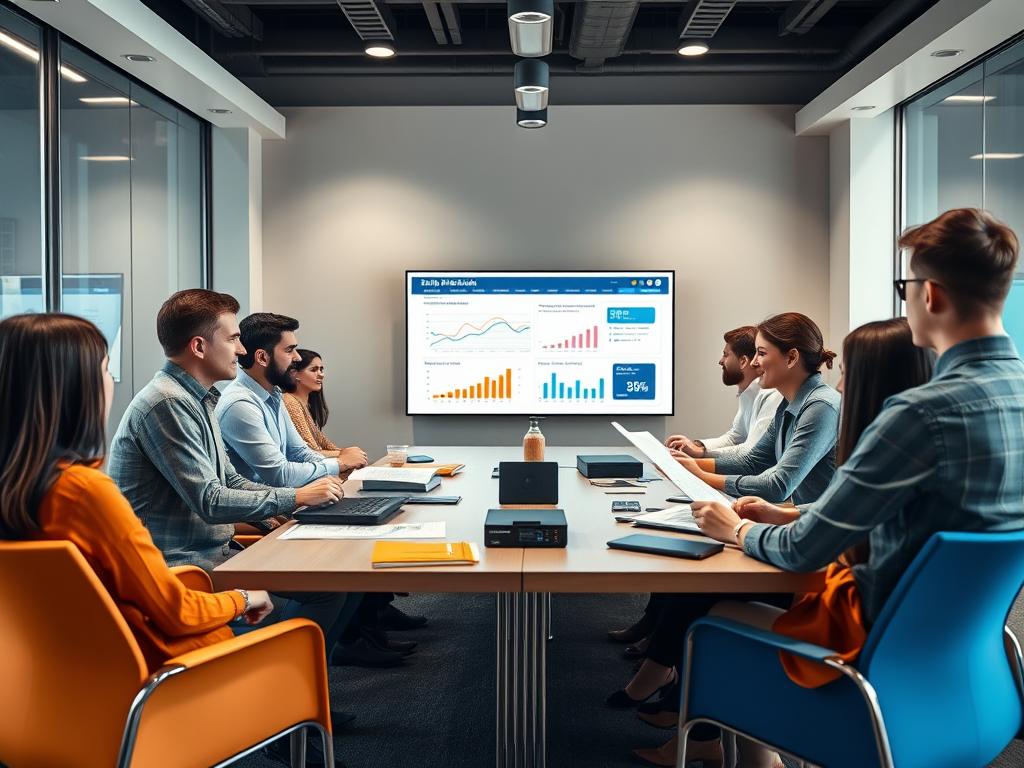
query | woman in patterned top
(309,412)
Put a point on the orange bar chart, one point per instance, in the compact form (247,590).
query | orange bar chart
(491,388)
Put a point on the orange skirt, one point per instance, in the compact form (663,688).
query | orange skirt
(832,619)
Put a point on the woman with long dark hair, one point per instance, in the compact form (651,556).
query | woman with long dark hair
(308,410)
(55,396)
(795,458)
(879,361)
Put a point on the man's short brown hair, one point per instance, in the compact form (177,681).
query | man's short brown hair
(970,254)
(743,341)
(190,313)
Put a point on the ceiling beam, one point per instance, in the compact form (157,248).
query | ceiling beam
(434,18)
(802,15)
(451,15)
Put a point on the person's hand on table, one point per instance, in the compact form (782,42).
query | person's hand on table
(352,458)
(760,511)
(685,445)
(321,491)
(716,520)
(260,606)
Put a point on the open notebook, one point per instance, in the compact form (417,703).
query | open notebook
(660,457)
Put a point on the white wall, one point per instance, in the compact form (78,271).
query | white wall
(726,195)
(238,216)
(862,158)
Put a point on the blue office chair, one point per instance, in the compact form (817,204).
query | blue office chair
(939,683)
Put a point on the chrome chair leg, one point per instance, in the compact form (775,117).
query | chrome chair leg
(298,744)
(728,749)
(551,634)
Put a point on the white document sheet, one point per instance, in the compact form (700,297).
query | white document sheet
(373,532)
(677,518)
(660,457)
(395,474)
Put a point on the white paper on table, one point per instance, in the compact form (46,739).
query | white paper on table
(660,457)
(395,474)
(677,518)
(375,532)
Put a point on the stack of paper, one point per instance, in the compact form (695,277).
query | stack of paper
(397,531)
(660,457)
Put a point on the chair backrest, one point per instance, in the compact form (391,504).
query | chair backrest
(936,655)
(69,665)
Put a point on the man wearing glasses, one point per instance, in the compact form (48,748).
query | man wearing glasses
(945,456)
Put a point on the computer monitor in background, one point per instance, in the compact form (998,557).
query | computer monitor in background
(519,342)
(95,297)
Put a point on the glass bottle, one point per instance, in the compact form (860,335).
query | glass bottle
(533,443)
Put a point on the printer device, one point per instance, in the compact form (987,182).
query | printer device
(525,528)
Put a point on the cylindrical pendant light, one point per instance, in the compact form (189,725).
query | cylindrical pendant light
(531,85)
(531,26)
(535,119)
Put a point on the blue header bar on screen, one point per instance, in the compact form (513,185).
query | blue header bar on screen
(449,284)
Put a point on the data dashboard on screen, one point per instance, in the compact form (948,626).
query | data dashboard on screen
(540,343)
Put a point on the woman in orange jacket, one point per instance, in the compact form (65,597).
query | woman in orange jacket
(55,397)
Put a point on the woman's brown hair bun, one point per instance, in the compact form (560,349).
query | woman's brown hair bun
(827,356)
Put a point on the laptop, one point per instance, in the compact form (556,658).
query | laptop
(366,510)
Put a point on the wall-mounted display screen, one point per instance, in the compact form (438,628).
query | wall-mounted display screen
(94,297)
(596,343)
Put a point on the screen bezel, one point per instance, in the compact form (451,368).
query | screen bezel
(548,273)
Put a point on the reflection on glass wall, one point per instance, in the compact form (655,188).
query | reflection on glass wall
(131,212)
(964,146)
(21,210)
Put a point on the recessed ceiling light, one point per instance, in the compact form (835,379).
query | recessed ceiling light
(692,47)
(220,111)
(137,57)
(947,53)
(998,156)
(106,158)
(69,74)
(968,99)
(20,47)
(863,108)
(379,49)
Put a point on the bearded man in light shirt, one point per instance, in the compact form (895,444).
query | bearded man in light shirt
(756,406)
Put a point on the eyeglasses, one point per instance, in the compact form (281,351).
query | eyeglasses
(901,285)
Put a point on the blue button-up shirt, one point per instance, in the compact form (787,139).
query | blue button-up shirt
(796,457)
(168,459)
(945,456)
(261,439)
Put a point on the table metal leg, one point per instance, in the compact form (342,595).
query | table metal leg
(521,680)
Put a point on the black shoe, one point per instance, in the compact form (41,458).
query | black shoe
(395,620)
(341,719)
(363,653)
(280,751)
(667,702)
(379,638)
(637,632)
(622,700)
(632,652)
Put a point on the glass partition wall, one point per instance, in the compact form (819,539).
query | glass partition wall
(131,200)
(964,146)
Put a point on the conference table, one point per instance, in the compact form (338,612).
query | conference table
(523,580)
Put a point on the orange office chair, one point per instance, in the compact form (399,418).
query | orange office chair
(76,693)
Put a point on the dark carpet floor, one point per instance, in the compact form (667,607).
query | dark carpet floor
(438,710)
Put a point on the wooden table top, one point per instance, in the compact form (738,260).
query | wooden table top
(586,565)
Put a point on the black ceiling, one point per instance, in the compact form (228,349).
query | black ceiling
(765,51)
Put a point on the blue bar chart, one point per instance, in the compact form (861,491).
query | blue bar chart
(573,389)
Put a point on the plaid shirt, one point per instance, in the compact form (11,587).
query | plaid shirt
(168,459)
(945,456)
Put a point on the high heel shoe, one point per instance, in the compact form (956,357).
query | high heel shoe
(665,755)
(622,700)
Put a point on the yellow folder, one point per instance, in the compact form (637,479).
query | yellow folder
(399,554)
